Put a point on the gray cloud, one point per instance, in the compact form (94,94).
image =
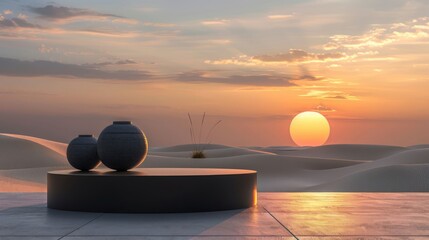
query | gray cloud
(306,75)
(120,62)
(248,80)
(15,67)
(126,61)
(52,12)
(36,68)
(12,28)
(16,23)
(295,55)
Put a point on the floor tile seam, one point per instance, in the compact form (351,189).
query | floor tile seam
(90,221)
(175,235)
(363,235)
(31,235)
(287,229)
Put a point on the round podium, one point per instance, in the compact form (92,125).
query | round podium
(152,190)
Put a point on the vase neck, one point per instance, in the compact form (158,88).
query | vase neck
(86,135)
(122,122)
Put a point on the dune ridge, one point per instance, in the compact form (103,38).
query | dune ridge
(24,161)
(57,147)
(16,153)
(347,151)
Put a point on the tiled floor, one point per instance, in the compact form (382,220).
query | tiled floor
(277,216)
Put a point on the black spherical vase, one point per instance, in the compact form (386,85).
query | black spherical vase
(122,146)
(82,153)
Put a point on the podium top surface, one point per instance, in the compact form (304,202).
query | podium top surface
(153,172)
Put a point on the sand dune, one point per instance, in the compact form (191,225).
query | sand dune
(210,153)
(25,160)
(274,172)
(34,175)
(279,150)
(415,156)
(57,147)
(188,148)
(420,146)
(395,178)
(358,173)
(347,151)
(15,185)
(18,153)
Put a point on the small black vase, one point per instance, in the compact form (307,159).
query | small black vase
(122,146)
(82,153)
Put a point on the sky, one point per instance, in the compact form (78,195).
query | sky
(72,67)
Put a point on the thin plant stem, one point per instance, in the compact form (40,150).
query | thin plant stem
(191,129)
(199,148)
(210,132)
(201,130)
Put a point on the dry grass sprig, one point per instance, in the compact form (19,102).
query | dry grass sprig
(198,151)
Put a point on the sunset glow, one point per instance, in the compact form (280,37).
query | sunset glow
(72,66)
(288,119)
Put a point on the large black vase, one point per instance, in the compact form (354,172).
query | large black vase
(82,153)
(122,146)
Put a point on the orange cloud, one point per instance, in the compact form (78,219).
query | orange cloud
(323,108)
(220,41)
(292,56)
(326,94)
(215,22)
(280,17)
(379,36)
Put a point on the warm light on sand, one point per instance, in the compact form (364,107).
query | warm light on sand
(57,147)
(309,129)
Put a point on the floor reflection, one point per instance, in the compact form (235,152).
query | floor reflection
(277,215)
(351,214)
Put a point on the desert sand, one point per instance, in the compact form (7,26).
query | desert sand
(24,161)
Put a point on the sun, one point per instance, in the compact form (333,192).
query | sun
(309,129)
